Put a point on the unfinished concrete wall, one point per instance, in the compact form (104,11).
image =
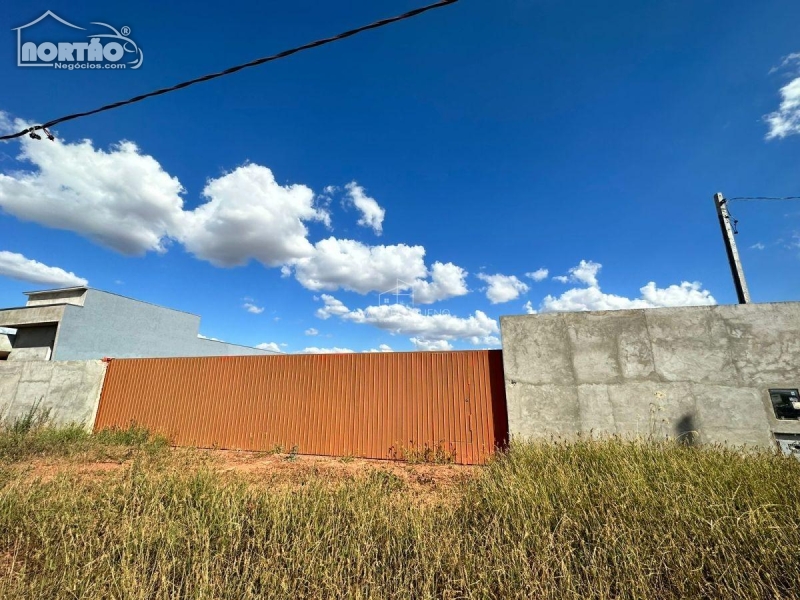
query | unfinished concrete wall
(661,371)
(71,390)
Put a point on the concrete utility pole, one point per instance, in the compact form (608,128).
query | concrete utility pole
(730,247)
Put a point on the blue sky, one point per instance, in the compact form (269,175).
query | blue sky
(457,152)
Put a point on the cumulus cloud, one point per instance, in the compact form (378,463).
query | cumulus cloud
(593,298)
(311,331)
(402,319)
(335,350)
(371,212)
(538,274)
(487,340)
(351,265)
(428,345)
(381,348)
(271,346)
(121,198)
(786,120)
(503,288)
(249,215)
(17,266)
(447,281)
(250,307)
(528,307)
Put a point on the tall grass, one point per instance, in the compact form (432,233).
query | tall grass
(591,519)
(33,435)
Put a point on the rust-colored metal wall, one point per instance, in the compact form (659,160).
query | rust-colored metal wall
(376,405)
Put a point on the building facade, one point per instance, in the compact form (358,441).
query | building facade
(82,323)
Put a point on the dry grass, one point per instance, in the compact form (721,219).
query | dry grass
(591,519)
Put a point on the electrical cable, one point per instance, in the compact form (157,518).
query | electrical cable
(231,70)
(763,198)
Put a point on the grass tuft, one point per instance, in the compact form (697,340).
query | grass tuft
(33,435)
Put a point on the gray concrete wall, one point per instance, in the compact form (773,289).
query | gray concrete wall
(119,327)
(34,315)
(655,371)
(71,390)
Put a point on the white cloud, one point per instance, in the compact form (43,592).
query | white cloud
(311,331)
(271,346)
(315,350)
(121,199)
(786,120)
(381,348)
(593,298)
(333,307)
(250,216)
(427,345)
(124,200)
(586,273)
(350,265)
(488,340)
(685,294)
(371,213)
(401,319)
(205,337)
(528,306)
(757,246)
(16,266)
(538,274)
(252,308)
(503,288)
(447,281)
(787,60)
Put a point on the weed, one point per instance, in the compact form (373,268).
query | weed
(546,520)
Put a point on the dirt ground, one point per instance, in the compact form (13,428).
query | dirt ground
(262,469)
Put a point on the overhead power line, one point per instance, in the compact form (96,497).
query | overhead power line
(764,198)
(253,63)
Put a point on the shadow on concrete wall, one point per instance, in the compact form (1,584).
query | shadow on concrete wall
(686,430)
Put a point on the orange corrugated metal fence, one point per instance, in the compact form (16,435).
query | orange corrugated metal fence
(376,405)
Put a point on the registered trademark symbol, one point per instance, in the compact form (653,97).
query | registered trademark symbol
(126,30)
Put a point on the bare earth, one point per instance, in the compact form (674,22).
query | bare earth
(261,469)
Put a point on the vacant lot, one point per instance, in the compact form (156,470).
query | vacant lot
(121,515)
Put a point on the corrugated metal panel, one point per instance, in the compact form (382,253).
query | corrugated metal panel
(376,405)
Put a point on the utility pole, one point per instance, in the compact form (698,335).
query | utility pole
(730,247)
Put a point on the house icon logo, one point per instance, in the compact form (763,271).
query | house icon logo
(105,49)
(401,293)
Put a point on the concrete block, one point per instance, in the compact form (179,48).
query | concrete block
(38,371)
(67,393)
(735,408)
(653,409)
(10,374)
(608,347)
(541,350)
(29,394)
(596,410)
(536,411)
(729,436)
(690,345)
(764,341)
(29,354)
